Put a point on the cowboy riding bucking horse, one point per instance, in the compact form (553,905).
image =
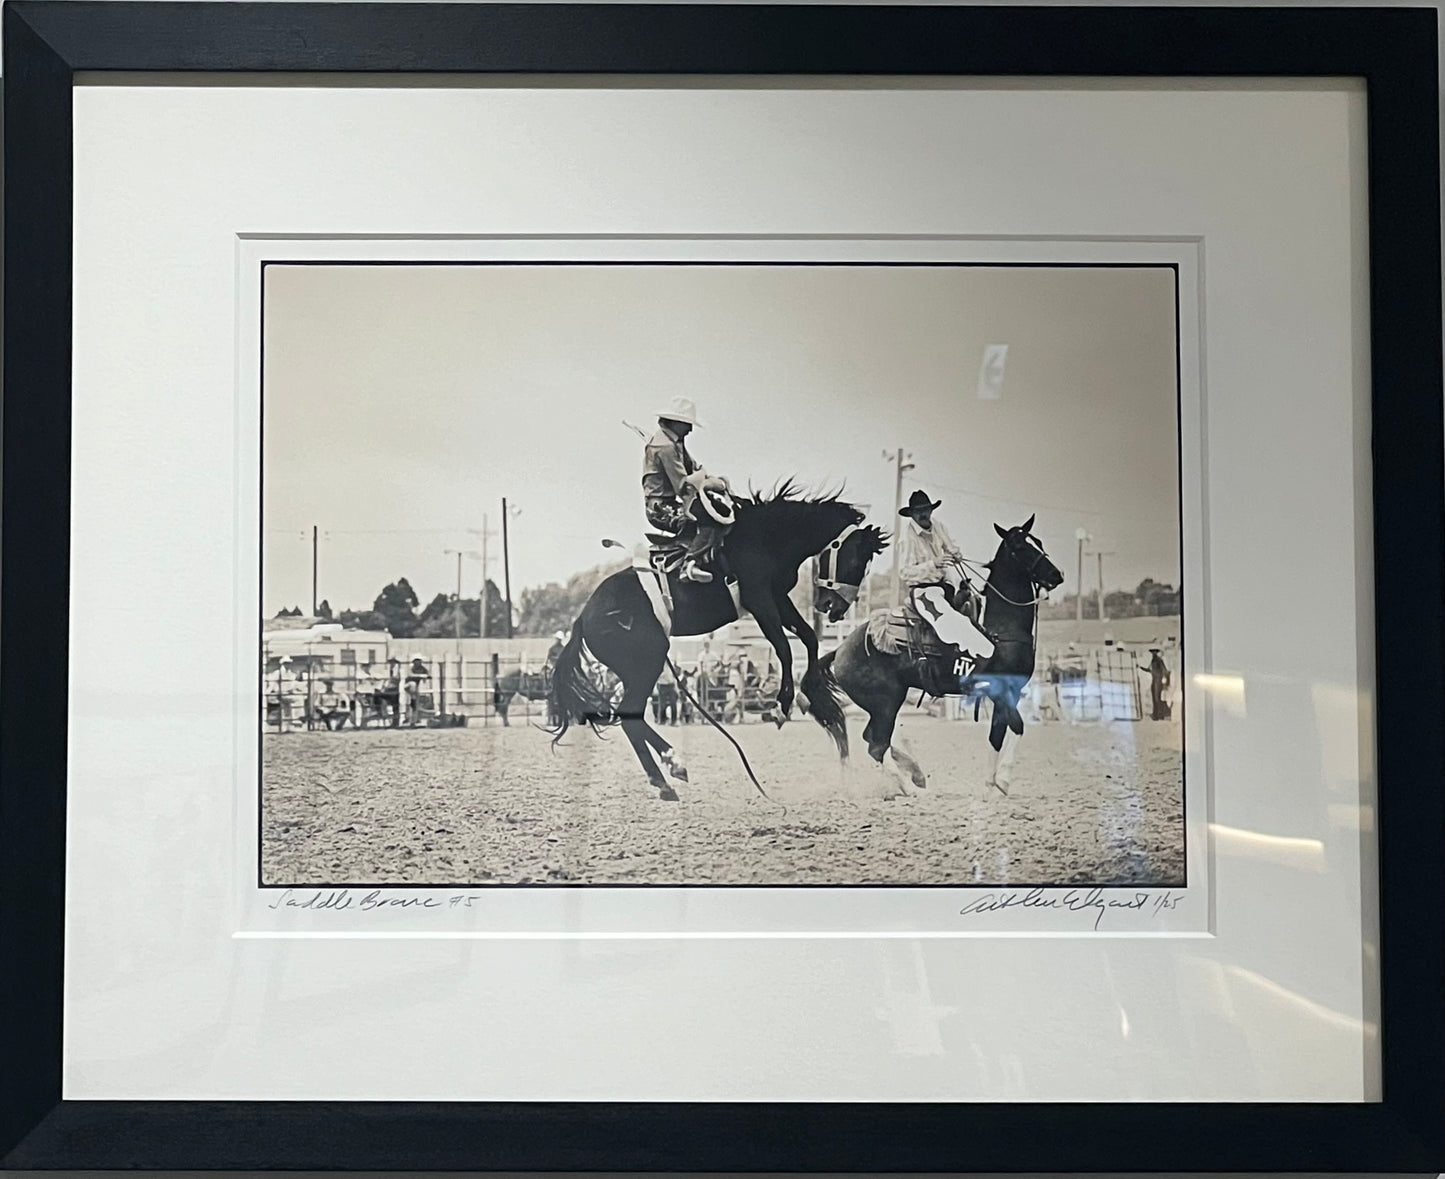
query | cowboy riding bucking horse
(680,498)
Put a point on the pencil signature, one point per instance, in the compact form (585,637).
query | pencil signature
(1147,903)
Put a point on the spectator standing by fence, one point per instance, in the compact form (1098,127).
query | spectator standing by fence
(417,674)
(740,678)
(664,699)
(361,689)
(281,686)
(330,707)
(1159,677)
(554,652)
(1051,706)
(389,695)
(687,686)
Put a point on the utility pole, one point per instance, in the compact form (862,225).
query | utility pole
(1101,557)
(457,609)
(900,460)
(506,566)
(1081,535)
(315,601)
(482,630)
(457,601)
(461,684)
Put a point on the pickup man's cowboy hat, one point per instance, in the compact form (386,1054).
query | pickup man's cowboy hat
(917,502)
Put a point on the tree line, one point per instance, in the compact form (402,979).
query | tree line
(541,610)
(545,609)
(1148,598)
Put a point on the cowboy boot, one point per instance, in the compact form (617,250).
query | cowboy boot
(704,541)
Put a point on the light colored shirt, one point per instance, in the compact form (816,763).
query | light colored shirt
(665,464)
(927,554)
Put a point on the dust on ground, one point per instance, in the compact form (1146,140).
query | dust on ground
(1089,804)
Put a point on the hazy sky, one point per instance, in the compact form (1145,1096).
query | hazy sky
(403,402)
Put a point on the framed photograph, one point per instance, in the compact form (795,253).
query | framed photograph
(691,588)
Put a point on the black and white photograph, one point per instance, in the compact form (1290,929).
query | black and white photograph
(751,574)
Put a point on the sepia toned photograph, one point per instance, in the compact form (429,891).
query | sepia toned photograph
(716,574)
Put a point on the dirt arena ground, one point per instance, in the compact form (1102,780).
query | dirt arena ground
(1089,804)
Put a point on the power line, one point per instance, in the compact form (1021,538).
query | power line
(1029,502)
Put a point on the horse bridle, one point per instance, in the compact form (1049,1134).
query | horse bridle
(828,567)
(1029,567)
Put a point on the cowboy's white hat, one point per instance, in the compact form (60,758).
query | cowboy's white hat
(680,409)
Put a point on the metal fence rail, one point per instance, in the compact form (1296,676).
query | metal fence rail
(1102,683)
(307,693)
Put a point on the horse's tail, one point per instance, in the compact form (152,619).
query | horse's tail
(573,697)
(825,700)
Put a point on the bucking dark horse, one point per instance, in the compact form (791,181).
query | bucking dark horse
(878,682)
(772,537)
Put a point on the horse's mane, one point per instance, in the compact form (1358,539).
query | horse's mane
(789,500)
(790,507)
(874,541)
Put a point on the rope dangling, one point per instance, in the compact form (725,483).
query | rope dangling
(682,687)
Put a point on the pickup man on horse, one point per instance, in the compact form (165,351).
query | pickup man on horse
(680,497)
(933,572)
(559,639)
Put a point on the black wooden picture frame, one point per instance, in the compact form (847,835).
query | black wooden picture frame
(1394,50)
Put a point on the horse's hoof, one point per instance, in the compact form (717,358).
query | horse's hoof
(780,720)
(667,793)
(678,772)
(1002,789)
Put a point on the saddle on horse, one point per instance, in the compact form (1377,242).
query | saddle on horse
(903,631)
